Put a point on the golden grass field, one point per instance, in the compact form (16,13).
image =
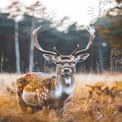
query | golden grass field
(97,98)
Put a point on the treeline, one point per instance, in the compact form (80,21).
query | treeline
(48,37)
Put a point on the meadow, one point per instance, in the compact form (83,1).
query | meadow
(97,97)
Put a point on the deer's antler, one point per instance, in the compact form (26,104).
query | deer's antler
(91,31)
(37,43)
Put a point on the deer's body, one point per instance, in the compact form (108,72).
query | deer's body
(39,90)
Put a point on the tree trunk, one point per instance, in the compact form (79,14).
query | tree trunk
(17,51)
(31,60)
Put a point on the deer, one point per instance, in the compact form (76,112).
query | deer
(40,90)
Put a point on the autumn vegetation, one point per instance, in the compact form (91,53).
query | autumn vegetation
(97,97)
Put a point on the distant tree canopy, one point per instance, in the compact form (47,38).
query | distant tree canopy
(112,31)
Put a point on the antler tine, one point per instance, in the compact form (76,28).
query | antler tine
(73,53)
(58,54)
(37,43)
(91,31)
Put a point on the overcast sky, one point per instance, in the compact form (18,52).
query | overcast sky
(82,12)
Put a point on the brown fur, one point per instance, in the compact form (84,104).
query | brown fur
(30,82)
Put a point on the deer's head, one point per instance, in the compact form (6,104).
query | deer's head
(65,63)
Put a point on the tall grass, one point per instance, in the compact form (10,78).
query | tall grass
(76,111)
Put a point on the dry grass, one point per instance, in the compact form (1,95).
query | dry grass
(97,97)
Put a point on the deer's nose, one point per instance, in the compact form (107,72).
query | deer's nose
(67,70)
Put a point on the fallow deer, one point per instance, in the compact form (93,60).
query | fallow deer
(38,89)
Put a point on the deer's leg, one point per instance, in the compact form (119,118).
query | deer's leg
(59,112)
(45,111)
(67,100)
(23,106)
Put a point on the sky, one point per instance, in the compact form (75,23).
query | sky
(83,12)
(77,10)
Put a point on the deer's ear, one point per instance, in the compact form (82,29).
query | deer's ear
(50,58)
(81,57)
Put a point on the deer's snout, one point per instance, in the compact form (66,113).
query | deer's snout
(66,70)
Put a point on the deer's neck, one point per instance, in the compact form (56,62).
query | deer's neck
(62,89)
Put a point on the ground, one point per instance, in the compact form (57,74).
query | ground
(96,97)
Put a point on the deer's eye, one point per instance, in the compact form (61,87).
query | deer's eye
(73,62)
